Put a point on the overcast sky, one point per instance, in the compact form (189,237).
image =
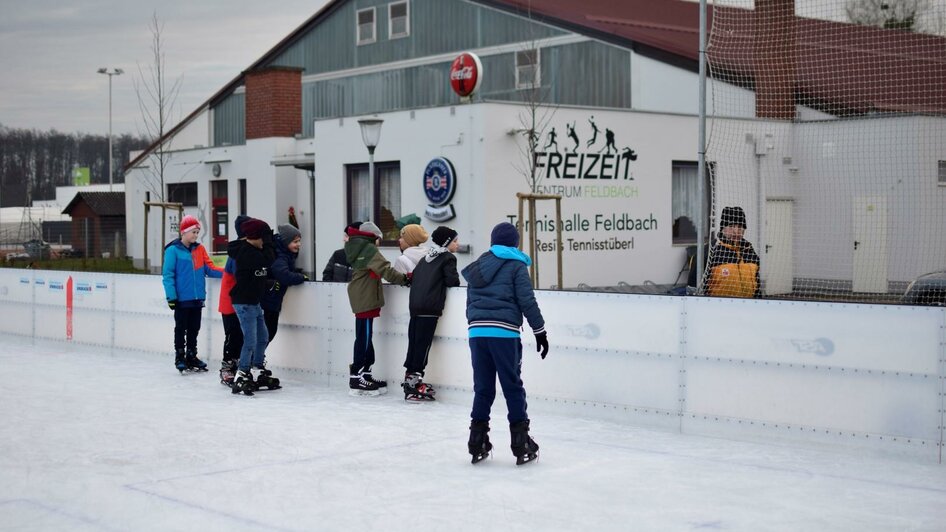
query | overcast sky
(50,51)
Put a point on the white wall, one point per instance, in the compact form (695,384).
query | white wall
(816,373)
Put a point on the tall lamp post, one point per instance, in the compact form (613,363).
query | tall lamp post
(110,73)
(371,134)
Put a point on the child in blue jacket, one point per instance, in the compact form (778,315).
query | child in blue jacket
(287,242)
(186,265)
(499,293)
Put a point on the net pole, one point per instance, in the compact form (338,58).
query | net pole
(701,156)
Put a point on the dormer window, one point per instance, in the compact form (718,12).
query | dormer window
(366,26)
(399,20)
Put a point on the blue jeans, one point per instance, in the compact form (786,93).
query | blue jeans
(255,336)
(494,357)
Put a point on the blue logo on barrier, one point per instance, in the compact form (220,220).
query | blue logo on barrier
(101,286)
(83,287)
(24,280)
(55,285)
(440,181)
(40,282)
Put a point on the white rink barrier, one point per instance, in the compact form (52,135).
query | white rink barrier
(866,375)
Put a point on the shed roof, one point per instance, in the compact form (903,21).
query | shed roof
(101,203)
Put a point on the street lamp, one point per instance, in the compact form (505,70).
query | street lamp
(110,73)
(371,134)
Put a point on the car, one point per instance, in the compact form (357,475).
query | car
(37,249)
(928,289)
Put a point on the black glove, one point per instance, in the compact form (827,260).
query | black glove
(542,344)
(172,303)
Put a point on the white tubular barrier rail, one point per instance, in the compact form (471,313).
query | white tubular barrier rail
(862,375)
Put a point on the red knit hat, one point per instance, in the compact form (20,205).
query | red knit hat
(188,223)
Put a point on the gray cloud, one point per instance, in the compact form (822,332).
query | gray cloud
(50,51)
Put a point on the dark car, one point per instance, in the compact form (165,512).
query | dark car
(928,289)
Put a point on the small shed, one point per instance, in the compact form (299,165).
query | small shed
(98,223)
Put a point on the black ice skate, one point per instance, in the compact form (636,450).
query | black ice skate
(523,446)
(228,370)
(382,385)
(193,363)
(359,386)
(415,389)
(179,361)
(266,380)
(243,382)
(479,444)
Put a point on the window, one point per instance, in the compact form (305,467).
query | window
(399,22)
(942,173)
(185,193)
(527,69)
(365,26)
(686,200)
(387,187)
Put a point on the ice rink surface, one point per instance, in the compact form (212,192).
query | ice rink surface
(121,441)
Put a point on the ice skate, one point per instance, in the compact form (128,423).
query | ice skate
(243,382)
(265,379)
(382,385)
(359,386)
(415,389)
(179,361)
(479,444)
(228,370)
(193,363)
(523,446)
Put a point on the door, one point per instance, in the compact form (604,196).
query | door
(777,257)
(870,244)
(219,216)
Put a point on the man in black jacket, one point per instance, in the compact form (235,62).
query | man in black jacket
(433,274)
(338,270)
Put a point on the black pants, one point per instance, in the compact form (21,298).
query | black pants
(186,327)
(363,357)
(420,334)
(271,317)
(233,337)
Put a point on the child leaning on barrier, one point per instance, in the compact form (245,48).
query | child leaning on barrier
(366,298)
(499,293)
(253,256)
(186,265)
(283,273)
(434,273)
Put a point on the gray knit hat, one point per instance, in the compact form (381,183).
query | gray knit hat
(370,227)
(288,233)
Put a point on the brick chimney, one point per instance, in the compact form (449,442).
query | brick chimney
(273,102)
(775,56)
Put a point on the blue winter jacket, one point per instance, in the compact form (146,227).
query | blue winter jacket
(184,271)
(499,293)
(283,271)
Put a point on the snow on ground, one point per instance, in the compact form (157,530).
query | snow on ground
(121,441)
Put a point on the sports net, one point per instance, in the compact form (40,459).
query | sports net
(827,140)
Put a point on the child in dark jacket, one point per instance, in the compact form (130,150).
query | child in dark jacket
(186,265)
(366,298)
(232,333)
(337,270)
(252,266)
(499,292)
(283,273)
(433,274)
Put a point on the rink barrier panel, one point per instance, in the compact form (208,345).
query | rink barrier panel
(765,370)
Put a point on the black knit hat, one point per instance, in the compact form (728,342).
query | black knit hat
(732,216)
(504,234)
(443,236)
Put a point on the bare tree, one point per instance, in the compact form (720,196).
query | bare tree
(156,100)
(922,16)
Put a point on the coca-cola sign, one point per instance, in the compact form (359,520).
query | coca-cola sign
(466,73)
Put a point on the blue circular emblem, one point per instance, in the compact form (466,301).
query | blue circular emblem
(440,181)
